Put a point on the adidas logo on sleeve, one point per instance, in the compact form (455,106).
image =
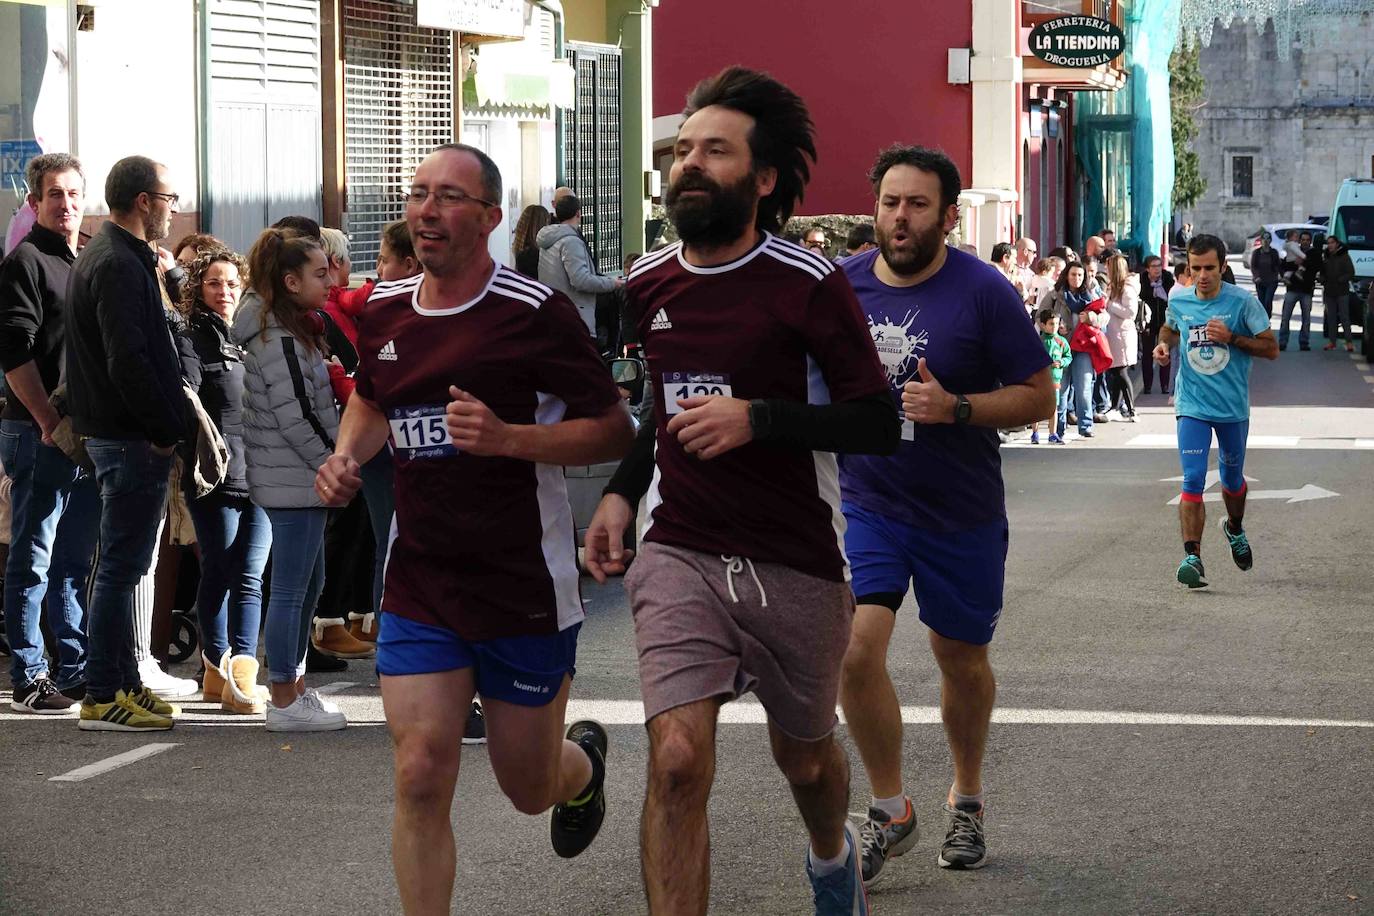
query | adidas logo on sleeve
(388,352)
(660,322)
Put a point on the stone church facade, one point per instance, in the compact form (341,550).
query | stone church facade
(1279,133)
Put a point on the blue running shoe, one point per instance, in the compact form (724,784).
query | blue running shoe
(1240,546)
(841,893)
(1190,572)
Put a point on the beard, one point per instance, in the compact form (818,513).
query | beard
(925,245)
(156,228)
(718,217)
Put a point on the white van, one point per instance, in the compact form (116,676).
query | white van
(1352,221)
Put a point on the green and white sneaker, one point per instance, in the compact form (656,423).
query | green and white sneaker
(1191,573)
(1240,545)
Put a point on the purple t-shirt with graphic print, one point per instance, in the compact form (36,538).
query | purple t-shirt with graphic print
(969,324)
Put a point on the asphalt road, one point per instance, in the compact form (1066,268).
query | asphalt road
(1156,750)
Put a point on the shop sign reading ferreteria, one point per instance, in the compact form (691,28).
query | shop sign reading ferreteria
(482,17)
(1077,41)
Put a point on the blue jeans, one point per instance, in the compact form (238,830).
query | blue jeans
(133,499)
(297,578)
(53,514)
(234,538)
(1061,407)
(1102,399)
(1264,292)
(1082,371)
(380,492)
(1290,299)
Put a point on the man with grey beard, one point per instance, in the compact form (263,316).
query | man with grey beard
(962,362)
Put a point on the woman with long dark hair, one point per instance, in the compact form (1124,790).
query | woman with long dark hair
(523,246)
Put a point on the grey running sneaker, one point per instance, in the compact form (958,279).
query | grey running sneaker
(1240,545)
(886,838)
(965,843)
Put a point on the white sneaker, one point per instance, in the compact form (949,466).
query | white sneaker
(324,704)
(307,714)
(163,684)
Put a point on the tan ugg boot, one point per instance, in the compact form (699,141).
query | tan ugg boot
(331,637)
(214,680)
(243,694)
(363,627)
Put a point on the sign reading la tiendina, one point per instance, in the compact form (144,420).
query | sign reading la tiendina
(1077,41)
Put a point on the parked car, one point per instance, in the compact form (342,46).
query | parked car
(1277,233)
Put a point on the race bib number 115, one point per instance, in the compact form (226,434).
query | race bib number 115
(420,432)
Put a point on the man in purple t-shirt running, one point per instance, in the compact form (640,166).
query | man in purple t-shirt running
(962,362)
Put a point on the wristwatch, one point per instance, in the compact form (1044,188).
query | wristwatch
(963,411)
(760,418)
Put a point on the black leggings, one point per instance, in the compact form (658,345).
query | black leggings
(1119,384)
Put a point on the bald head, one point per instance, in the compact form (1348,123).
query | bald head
(1094,246)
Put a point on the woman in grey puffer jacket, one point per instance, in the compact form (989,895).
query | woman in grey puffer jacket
(289,427)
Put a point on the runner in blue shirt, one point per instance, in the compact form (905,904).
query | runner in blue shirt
(962,362)
(1219,329)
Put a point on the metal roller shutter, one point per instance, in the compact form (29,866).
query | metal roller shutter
(591,143)
(264,124)
(398,106)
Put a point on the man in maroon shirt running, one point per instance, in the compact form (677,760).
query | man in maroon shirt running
(485,382)
(763,368)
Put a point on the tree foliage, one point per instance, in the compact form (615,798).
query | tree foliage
(1186,96)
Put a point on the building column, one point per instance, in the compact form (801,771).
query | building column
(995,72)
(631,23)
(334,191)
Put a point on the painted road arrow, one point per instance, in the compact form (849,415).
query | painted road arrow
(1305,494)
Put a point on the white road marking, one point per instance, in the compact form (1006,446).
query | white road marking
(630,712)
(1304,494)
(366,710)
(335,687)
(1364,443)
(1369,379)
(92,770)
(1170,440)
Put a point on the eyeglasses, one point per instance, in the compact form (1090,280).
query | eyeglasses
(444,198)
(814,243)
(172,199)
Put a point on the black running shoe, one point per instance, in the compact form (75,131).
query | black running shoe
(475,731)
(1240,546)
(575,823)
(965,845)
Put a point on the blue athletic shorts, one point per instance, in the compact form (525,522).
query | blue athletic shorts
(525,670)
(1194,447)
(957,576)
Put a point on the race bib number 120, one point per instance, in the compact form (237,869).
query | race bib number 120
(678,386)
(420,432)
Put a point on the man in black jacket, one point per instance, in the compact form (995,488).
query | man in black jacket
(1155,283)
(125,392)
(54,503)
(1301,282)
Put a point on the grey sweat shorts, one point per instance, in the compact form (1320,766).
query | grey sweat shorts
(711,626)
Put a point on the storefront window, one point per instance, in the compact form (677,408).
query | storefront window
(34,81)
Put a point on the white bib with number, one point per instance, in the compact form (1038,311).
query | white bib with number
(678,386)
(420,432)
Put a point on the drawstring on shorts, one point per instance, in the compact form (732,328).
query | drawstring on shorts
(735,565)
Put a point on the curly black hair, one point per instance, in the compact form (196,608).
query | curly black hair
(782,137)
(924,159)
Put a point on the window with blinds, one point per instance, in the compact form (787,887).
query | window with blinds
(398,106)
(263,141)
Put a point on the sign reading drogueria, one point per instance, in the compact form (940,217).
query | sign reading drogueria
(1077,41)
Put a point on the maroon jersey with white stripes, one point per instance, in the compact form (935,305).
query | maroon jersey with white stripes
(779,322)
(484,546)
